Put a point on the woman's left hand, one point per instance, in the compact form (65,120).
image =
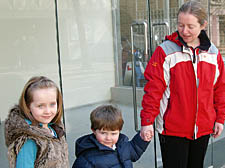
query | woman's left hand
(218,128)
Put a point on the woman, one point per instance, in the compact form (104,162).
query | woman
(185,91)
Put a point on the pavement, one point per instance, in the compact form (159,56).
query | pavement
(78,124)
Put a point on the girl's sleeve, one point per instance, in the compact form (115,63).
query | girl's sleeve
(27,155)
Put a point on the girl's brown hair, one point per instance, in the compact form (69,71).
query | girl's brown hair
(106,117)
(26,98)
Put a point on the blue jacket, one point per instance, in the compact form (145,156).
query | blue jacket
(91,154)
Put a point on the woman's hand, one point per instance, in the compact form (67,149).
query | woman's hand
(218,128)
(147,132)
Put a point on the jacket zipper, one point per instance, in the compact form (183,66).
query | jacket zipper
(195,61)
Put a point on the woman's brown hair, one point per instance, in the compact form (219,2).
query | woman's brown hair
(196,9)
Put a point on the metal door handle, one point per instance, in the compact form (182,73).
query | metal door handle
(133,65)
(161,24)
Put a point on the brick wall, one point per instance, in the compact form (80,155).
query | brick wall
(130,12)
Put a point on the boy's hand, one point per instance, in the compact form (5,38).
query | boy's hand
(147,132)
(218,128)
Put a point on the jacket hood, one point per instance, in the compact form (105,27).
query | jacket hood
(174,37)
(204,40)
(89,142)
(16,126)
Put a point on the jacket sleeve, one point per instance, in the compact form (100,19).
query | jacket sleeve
(132,150)
(27,155)
(154,88)
(219,92)
(81,162)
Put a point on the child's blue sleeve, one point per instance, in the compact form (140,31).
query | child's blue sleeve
(27,155)
(81,162)
(133,149)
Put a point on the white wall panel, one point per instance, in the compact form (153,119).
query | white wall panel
(87,51)
(28,47)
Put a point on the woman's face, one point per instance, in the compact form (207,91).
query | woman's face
(44,105)
(189,28)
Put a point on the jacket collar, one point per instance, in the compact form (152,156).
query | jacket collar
(204,41)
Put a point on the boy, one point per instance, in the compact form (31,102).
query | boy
(106,147)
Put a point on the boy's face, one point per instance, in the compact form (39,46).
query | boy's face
(107,138)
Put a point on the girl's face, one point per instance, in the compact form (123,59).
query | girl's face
(44,105)
(107,138)
(189,28)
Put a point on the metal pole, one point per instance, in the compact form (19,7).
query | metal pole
(149,30)
(137,23)
(212,161)
(59,58)
(134,80)
(150,54)
(209,19)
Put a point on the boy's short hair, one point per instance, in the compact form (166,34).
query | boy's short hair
(106,117)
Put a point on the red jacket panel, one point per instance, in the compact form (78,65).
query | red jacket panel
(185,91)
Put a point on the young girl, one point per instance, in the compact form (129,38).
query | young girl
(34,133)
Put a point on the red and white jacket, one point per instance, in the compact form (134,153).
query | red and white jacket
(185,91)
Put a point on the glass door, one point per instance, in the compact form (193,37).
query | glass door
(161,19)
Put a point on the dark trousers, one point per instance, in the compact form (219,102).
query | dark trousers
(180,152)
